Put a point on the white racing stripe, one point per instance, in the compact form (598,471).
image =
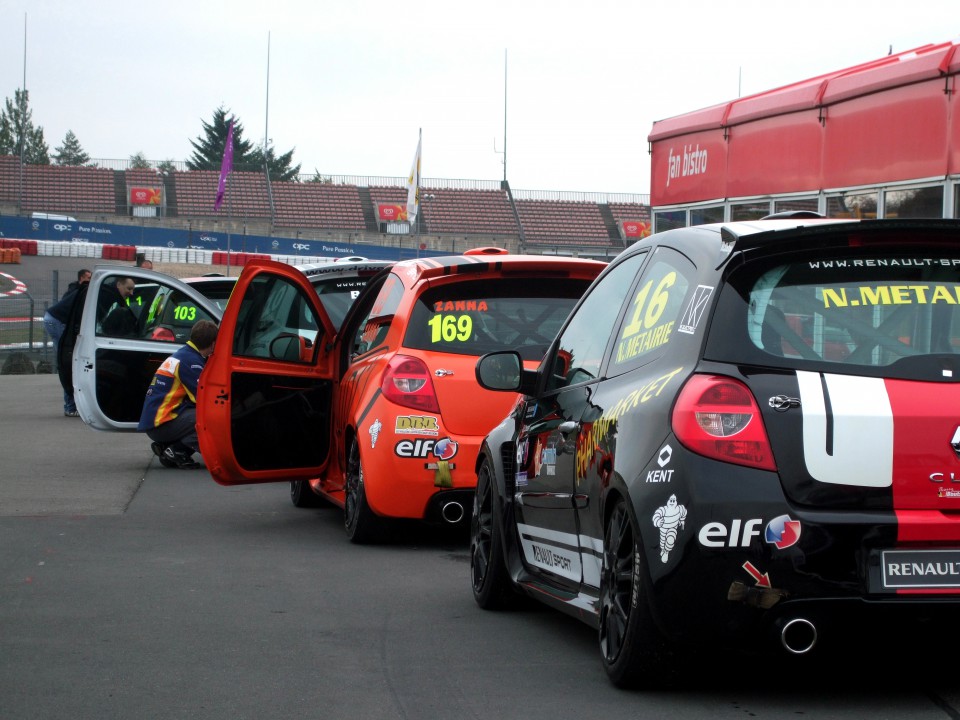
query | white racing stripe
(862,430)
(559,553)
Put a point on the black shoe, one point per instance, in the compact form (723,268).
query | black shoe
(158,450)
(180,459)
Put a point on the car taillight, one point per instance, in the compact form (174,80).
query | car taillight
(164,334)
(406,382)
(718,417)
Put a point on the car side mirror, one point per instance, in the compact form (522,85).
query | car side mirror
(500,371)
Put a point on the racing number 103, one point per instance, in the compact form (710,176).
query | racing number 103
(185,312)
(647,315)
(448,328)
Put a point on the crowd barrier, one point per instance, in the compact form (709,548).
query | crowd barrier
(11,251)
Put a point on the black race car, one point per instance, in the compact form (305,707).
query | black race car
(745,435)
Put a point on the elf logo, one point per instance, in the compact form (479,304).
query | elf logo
(423,448)
(781,532)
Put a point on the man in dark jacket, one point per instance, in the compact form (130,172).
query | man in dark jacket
(113,308)
(55,320)
(170,408)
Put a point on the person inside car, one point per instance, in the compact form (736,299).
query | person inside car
(170,407)
(113,308)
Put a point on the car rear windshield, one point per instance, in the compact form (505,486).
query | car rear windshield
(869,313)
(337,295)
(480,316)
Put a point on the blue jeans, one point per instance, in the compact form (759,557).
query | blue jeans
(55,330)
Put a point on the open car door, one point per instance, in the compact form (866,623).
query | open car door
(264,403)
(114,346)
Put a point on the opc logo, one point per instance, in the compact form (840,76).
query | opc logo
(60,227)
(301,246)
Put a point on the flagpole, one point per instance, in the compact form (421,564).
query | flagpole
(229,210)
(223,186)
(23,116)
(419,214)
(413,195)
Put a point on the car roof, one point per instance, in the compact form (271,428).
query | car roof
(728,238)
(426,268)
(343,269)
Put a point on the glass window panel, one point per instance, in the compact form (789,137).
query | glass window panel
(861,205)
(796,204)
(749,211)
(669,220)
(915,203)
(702,216)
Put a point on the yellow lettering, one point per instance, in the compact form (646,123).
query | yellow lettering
(901,295)
(874,296)
(942,294)
(659,384)
(838,298)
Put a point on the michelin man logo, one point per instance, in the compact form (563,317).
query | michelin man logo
(374,431)
(670,518)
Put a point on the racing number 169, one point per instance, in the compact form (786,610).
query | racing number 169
(448,328)
(647,315)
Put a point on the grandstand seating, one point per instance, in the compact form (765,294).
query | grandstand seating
(246,194)
(318,205)
(560,222)
(484,212)
(9,179)
(343,205)
(629,211)
(68,189)
(143,176)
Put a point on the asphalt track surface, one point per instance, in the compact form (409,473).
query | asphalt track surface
(129,590)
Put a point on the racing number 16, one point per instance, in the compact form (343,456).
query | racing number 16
(645,320)
(450,327)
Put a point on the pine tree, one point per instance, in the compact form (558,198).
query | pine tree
(208,150)
(17,130)
(71,152)
(139,162)
(279,167)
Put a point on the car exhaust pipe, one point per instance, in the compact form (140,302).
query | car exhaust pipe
(452,512)
(798,636)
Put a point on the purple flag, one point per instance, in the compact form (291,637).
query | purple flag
(225,168)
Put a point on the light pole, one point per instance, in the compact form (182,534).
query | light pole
(426,203)
(427,197)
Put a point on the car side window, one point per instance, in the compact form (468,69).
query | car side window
(275,321)
(168,316)
(116,316)
(579,351)
(655,307)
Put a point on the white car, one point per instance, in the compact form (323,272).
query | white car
(109,375)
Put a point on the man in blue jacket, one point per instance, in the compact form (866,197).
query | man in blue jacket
(170,407)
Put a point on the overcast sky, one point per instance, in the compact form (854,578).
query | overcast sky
(352,82)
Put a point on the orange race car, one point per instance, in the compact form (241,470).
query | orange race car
(383,417)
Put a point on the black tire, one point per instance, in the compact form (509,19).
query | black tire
(303,496)
(360,522)
(492,588)
(633,649)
